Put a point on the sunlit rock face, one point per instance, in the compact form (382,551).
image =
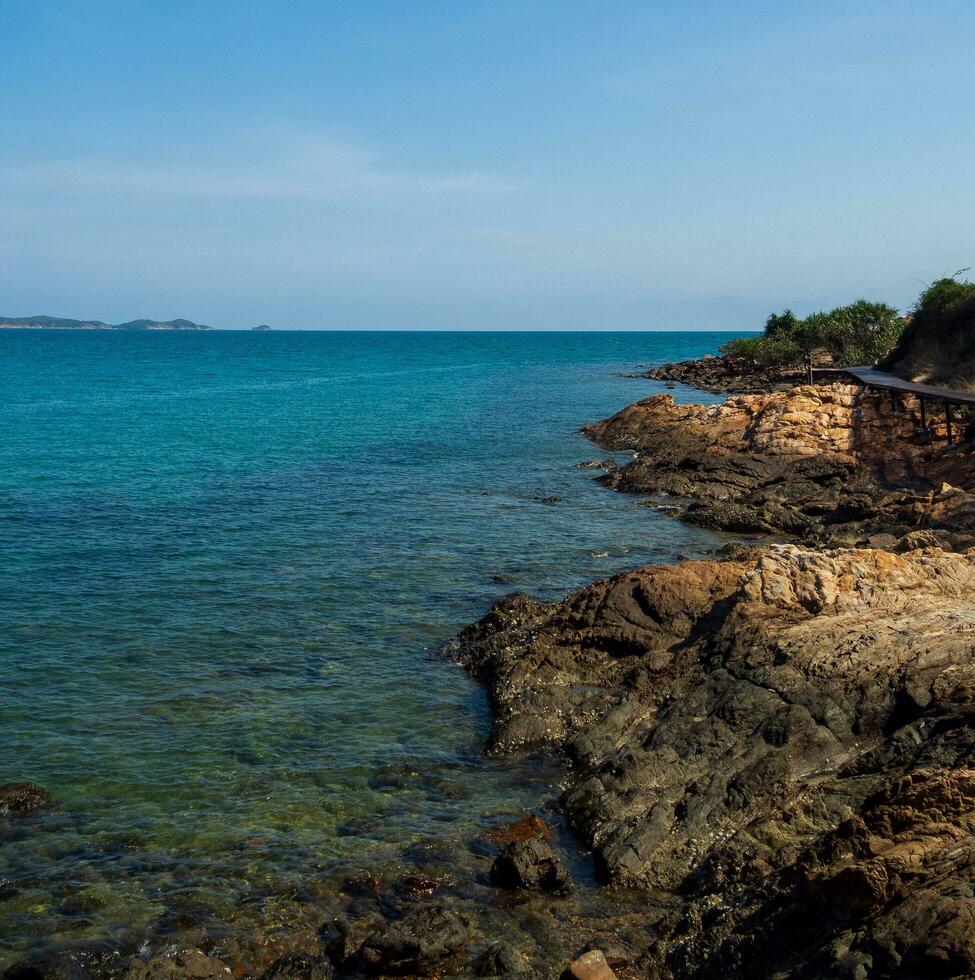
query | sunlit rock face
(760,738)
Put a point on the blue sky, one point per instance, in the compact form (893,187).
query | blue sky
(488,165)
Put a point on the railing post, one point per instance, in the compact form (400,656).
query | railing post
(809,369)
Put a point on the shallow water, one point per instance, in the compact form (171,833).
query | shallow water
(229,559)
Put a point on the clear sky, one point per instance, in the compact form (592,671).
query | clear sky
(490,165)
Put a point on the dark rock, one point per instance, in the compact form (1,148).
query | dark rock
(417,943)
(90,961)
(343,942)
(533,865)
(20,798)
(418,886)
(299,966)
(500,959)
(726,374)
(431,852)
(186,964)
(362,884)
(366,826)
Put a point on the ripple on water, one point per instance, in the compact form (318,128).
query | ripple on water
(230,560)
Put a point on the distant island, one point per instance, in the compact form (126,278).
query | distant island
(262,326)
(63,323)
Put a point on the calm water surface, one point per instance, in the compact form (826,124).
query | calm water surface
(228,561)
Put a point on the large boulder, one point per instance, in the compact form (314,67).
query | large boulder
(533,865)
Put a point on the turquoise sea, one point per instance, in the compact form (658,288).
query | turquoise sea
(229,561)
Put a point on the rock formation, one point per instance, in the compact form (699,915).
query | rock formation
(831,464)
(786,744)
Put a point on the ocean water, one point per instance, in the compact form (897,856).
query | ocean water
(229,560)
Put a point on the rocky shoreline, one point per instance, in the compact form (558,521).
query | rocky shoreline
(770,755)
(724,375)
(782,740)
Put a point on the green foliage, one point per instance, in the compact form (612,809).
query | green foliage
(781,323)
(776,351)
(939,343)
(861,333)
(857,334)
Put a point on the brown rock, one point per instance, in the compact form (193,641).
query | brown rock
(788,742)
(522,829)
(20,798)
(827,463)
(590,966)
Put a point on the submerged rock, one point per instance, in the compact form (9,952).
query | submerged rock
(500,959)
(299,966)
(533,865)
(521,829)
(20,798)
(417,943)
(89,961)
(179,965)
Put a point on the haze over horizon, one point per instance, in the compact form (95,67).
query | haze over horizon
(456,165)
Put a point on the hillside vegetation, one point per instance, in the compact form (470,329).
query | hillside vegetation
(860,333)
(938,345)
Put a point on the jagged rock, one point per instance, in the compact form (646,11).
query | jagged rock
(721,374)
(829,464)
(417,943)
(531,864)
(500,959)
(788,743)
(299,966)
(181,965)
(19,798)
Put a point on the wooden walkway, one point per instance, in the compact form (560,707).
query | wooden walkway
(872,378)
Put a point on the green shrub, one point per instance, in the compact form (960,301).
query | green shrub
(784,323)
(938,344)
(860,333)
(775,351)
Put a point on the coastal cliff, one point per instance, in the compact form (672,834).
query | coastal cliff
(784,742)
(829,464)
